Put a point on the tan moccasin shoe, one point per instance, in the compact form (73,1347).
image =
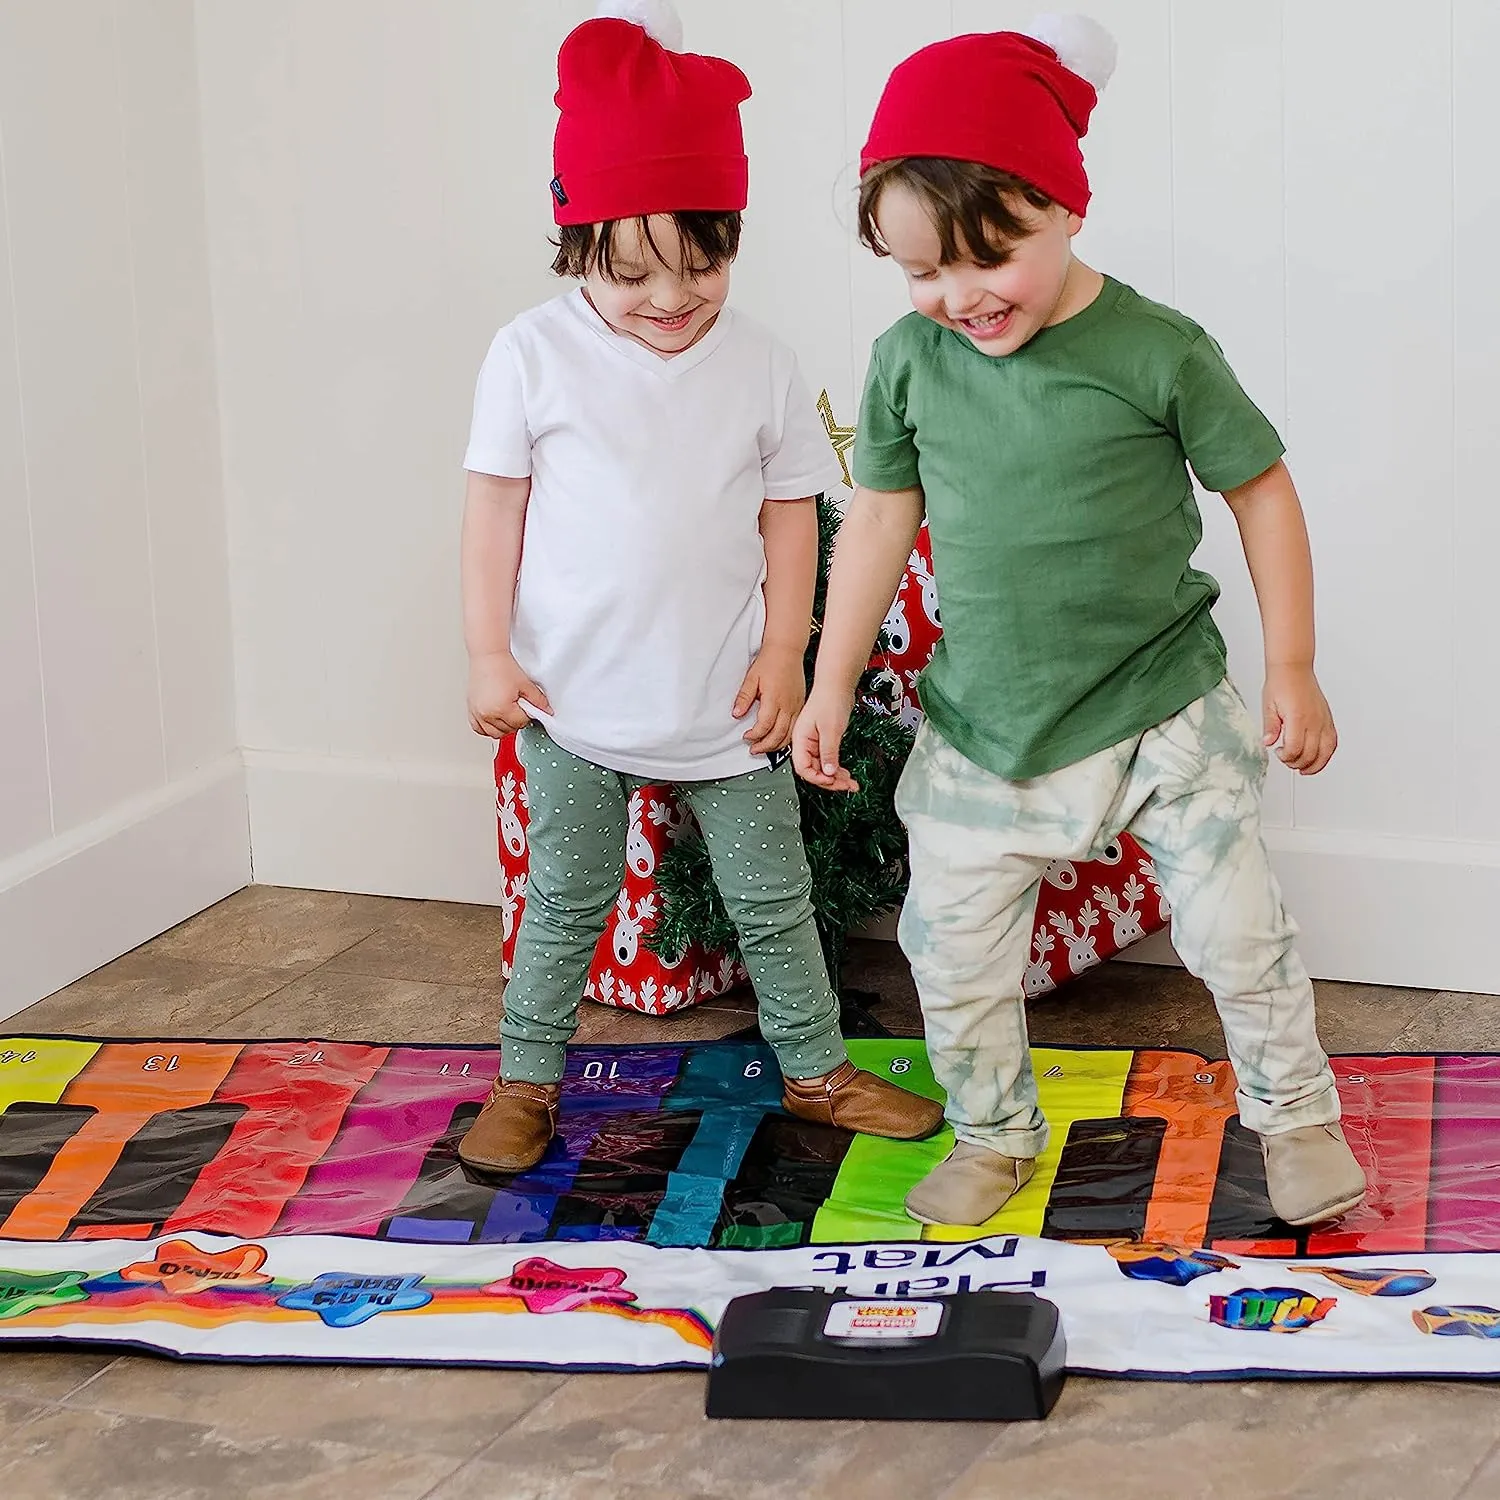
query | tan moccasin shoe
(969,1186)
(1311,1174)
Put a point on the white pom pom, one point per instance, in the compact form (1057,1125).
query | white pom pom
(1081,44)
(657,18)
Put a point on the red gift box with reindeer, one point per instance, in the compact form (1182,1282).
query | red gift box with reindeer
(1089,911)
(1086,912)
(624,972)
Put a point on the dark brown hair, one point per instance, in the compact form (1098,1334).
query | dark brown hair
(974,208)
(701,236)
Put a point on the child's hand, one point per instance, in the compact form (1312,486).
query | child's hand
(816,741)
(496,686)
(1298,720)
(777,682)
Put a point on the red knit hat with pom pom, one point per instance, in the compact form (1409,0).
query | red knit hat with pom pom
(645,128)
(1018,102)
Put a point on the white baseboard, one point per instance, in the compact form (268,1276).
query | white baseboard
(336,823)
(1372,909)
(81,899)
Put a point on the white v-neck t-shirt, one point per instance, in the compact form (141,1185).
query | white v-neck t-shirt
(639,606)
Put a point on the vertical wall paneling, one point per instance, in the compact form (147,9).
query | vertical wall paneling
(1370,316)
(158,73)
(25,796)
(1475,649)
(72,264)
(1229,204)
(122,791)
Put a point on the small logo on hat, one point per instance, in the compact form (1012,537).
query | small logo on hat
(559,192)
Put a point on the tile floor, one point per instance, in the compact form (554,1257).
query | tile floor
(271,962)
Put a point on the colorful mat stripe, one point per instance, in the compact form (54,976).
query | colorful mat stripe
(687,1146)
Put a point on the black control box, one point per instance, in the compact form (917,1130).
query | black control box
(976,1356)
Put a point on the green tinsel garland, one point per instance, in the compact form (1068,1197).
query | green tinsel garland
(856,846)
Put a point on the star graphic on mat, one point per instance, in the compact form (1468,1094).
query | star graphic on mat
(842,438)
(344,1300)
(548,1288)
(21,1293)
(183,1269)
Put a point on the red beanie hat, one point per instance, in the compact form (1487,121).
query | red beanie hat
(645,128)
(1016,102)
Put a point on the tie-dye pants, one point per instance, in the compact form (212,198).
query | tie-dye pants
(1189,790)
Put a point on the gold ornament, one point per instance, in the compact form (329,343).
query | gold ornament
(842,438)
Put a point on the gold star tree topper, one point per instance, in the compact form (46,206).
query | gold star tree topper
(842,438)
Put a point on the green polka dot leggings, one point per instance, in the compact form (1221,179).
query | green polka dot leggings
(752,825)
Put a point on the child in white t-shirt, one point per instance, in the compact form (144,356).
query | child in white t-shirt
(658,454)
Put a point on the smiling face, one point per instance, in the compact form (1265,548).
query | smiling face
(999,302)
(657,285)
(984,253)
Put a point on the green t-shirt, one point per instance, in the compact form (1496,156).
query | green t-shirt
(1063,520)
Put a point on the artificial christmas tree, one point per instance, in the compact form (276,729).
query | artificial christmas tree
(856,846)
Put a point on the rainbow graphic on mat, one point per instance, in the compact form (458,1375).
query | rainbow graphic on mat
(1277,1309)
(674,1146)
(192,1288)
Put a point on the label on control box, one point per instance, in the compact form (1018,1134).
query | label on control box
(883,1320)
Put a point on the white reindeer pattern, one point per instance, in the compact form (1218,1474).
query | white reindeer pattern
(674,821)
(512,896)
(898,628)
(1163,906)
(1126,919)
(1038,977)
(911,711)
(512,834)
(630,927)
(928,584)
(639,855)
(1082,945)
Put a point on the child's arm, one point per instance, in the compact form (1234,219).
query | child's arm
(490,558)
(789,532)
(1274,535)
(874,544)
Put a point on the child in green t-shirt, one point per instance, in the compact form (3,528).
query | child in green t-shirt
(1041,417)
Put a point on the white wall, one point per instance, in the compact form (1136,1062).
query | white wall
(1322,197)
(366,240)
(122,804)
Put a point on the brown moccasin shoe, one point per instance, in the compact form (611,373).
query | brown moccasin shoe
(855,1100)
(513,1129)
